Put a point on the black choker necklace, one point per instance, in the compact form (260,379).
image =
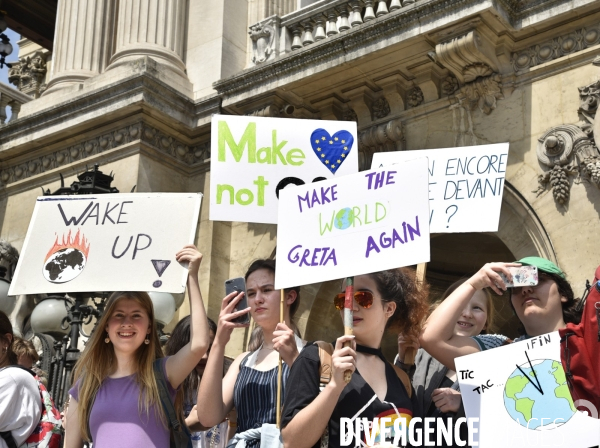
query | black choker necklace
(369,350)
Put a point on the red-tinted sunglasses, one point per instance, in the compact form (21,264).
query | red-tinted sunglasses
(363,298)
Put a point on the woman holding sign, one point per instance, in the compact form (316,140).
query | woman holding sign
(251,382)
(542,309)
(115,399)
(383,300)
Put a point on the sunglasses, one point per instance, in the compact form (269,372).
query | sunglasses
(363,298)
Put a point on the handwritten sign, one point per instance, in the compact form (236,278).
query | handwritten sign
(253,159)
(520,394)
(465,185)
(110,242)
(357,224)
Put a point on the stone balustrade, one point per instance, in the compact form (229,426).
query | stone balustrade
(275,36)
(11,98)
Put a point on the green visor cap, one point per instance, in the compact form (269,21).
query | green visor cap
(542,264)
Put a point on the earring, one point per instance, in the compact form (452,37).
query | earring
(107,339)
(146,341)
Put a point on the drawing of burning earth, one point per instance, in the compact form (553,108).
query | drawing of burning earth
(67,259)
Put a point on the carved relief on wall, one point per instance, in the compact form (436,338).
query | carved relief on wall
(380,108)
(572,149)
(379,138)
(471,59)
(414,97)
(349,115)
(29,73)
(558,47)
(263,36)
(142,132)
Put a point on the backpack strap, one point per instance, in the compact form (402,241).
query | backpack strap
(165,399)
(403,376)
(325,352)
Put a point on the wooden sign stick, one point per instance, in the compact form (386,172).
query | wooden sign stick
(279,367)
(348,322)
(411,352)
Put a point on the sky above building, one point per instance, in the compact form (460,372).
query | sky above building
(14,38)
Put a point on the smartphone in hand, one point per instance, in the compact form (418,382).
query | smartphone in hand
(238,285)
(521,276)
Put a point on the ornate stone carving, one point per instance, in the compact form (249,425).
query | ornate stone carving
(450,85)
(29,73)
(380,108)
(483,93)
(383,137)
(569,149)
(471,58)
(136,132)
(414,97)
(560,46)
(349,115)
(263,39)
(557,177)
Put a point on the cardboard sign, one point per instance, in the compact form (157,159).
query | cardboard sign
(465,185)
(520,395)
(357,224)
(108,242)
(253,158)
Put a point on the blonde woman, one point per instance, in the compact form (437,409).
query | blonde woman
(436,385)
(115,401)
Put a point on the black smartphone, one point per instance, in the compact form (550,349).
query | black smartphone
(238,285)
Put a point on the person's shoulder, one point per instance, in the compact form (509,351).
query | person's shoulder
(489,341)
(309,352)
(18,376)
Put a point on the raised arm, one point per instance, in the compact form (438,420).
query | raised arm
(438,337)
(215,392)
(180,365)
(307,426)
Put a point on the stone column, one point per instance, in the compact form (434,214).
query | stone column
(154,28)
(81,42)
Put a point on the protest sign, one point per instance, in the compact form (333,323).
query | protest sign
(357,224)
(253,158)
(465,185)
(520,394)
(109,242)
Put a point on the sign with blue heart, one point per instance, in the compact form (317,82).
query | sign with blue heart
(331,150)
(254,158)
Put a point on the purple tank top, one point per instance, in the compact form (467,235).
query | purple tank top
(115,420)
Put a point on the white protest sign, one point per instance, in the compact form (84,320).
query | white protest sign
(465,185)
(520,394)
(357,224)
(253,158)
(107,242)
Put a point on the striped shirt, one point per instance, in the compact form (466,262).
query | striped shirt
(255,395)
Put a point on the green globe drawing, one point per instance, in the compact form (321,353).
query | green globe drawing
(532,409)
(344,218)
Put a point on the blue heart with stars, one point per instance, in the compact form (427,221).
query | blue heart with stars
(331,150)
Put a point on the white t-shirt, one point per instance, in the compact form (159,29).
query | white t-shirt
(20,404)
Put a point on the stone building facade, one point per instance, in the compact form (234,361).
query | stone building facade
(132,85)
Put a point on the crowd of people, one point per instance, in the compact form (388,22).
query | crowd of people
(123,378)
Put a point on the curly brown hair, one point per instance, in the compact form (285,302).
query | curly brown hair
(401,287)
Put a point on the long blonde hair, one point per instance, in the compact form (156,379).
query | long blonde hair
(98,360)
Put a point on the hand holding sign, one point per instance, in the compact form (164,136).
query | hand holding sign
(115,242)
